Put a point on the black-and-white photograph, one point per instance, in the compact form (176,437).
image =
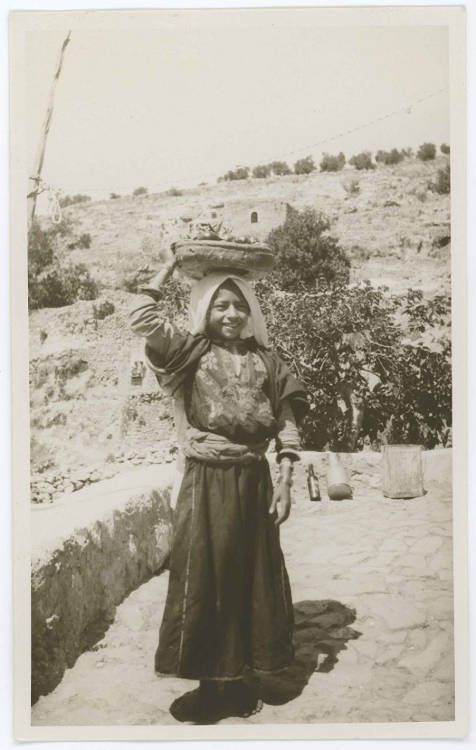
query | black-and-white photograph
(238,243)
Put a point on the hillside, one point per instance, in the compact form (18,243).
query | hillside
(395,229)
(394,217)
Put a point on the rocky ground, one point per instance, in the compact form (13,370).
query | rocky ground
(372,591)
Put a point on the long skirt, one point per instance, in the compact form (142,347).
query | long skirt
(228,604)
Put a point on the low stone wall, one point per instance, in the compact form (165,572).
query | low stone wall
(90,550)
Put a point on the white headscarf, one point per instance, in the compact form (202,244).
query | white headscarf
(201,297)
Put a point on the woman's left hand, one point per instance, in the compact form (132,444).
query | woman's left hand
(281,502)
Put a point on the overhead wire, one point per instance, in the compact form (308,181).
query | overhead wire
(407,108)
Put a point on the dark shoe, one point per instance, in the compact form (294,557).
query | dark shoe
(241,699)
(199,706)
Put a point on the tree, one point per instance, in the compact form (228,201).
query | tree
(262,170)
(306,253)
(389,157)
(69,200)
(443,181)
(50,282)
(280,168)
(368,360)
(140,191)
(426,151)
(332,163)
(240,173)
(304,166)
(445,149)
(362,160)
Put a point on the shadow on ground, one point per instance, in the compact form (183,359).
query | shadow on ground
(321,631)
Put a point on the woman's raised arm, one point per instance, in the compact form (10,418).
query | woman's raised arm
(146,319)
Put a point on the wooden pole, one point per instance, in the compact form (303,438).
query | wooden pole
(34,179)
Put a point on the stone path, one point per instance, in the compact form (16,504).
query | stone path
(372,587)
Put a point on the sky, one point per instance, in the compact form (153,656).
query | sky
(184,99)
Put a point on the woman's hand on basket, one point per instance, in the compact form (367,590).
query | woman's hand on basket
(281,502)
(158,281)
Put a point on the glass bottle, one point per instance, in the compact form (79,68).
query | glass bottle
(312,484)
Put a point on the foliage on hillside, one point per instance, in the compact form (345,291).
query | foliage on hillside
(306,252)
(331,163)
(443,181)
(362,161)
(304,166)
(70,200)
(359,343)
(52,283)
(389,157)
(426,151)
(334,163)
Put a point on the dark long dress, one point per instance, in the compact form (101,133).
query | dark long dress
(229,603)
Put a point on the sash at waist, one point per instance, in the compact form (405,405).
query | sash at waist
(208,446)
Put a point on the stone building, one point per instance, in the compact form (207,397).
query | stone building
(249,218)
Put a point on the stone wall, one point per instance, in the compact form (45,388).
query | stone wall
(270,214)
(90,551)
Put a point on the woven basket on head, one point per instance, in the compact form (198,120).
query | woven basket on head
(196,258)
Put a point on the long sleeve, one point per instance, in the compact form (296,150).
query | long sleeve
(288,442)
(162,337)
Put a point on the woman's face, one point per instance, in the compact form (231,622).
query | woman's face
(229,313)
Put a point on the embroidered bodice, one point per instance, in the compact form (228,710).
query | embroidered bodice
(228,395)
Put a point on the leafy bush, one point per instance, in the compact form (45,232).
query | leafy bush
(280,168)
(140,191)
(426,151)
(389,157)
(444,148)
(349,346)
(304,166)
(63,228)
(41,248)
(83,241)
(262,170)
(443,181)
(351,185)
(240,173)
(114,196)
(306,253)
(69,200)
(362,160)
(51,284)
(61,285)
(174,192)
(332,163)
(103,310)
